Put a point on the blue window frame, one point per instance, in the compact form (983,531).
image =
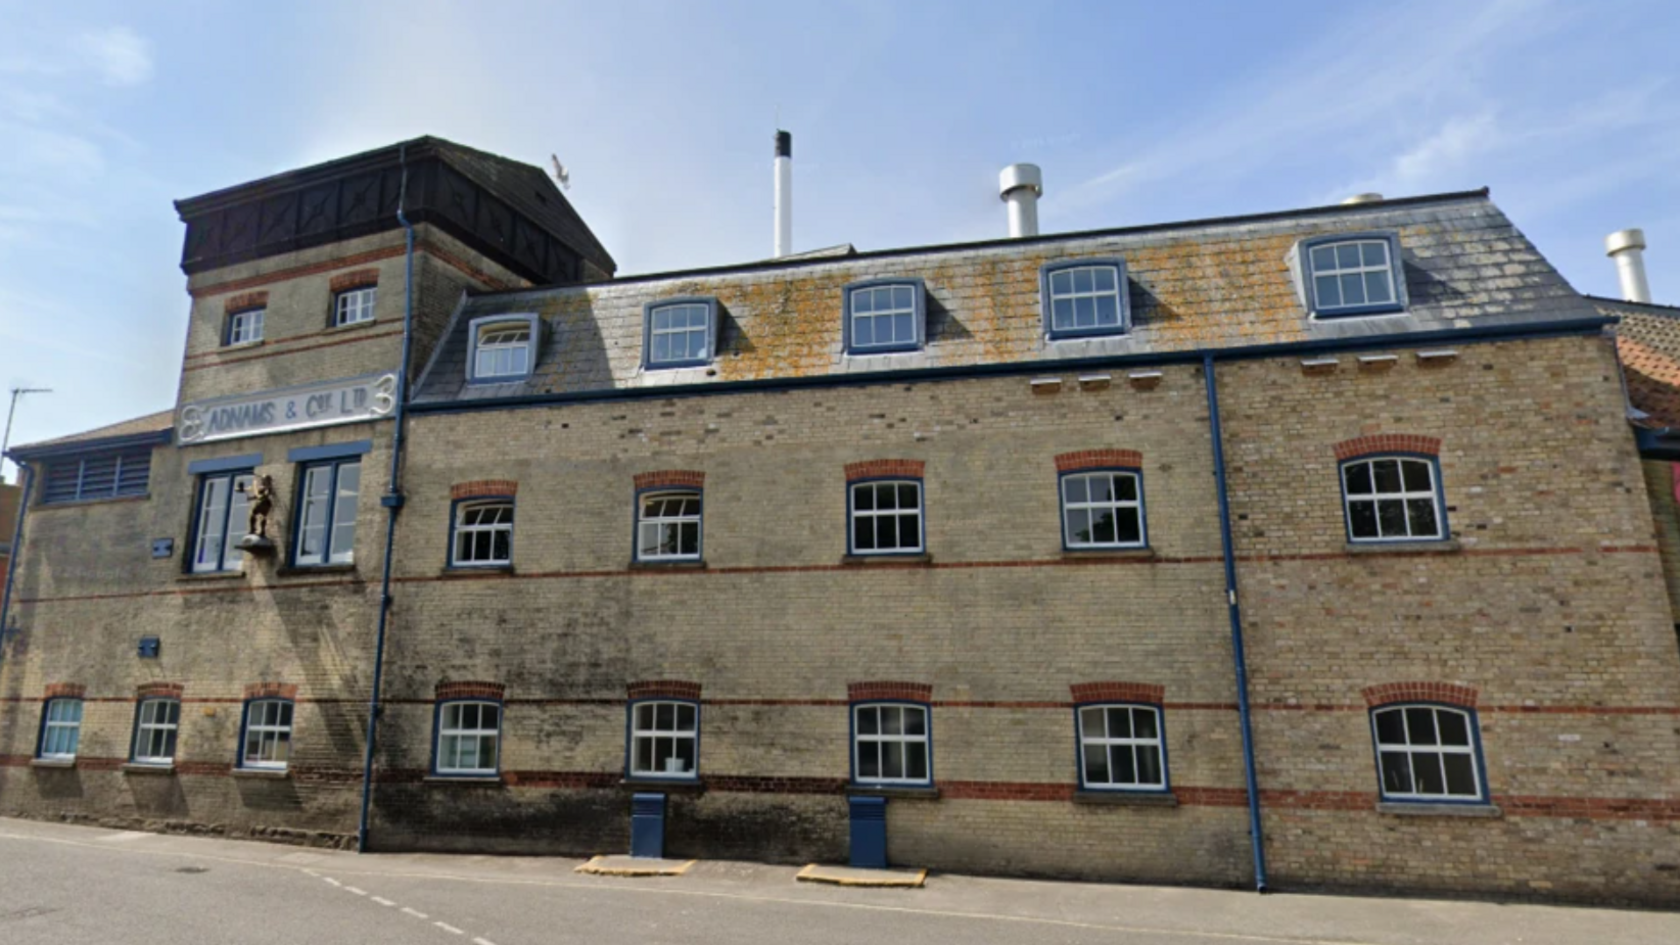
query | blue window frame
(504,348)
(468,738)
(102,476)
(1103,509)
(1349,274)
(1083,298)
(156,725)
(892,743)
(679,332)
(219,520)
(481,532)
(885,315)
(1429,753)
(1394,497)
(328,493)
(669,524)
(244,327)
(1122,747)
(61,729)
(885,517)
(662,740)
(265,734)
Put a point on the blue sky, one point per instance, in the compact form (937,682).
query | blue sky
(902,113)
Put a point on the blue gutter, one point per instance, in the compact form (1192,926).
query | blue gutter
(17,550)
(1257,837)
(392,500)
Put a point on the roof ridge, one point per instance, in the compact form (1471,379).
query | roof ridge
(1662,309)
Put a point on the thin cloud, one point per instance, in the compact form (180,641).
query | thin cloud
(120,55)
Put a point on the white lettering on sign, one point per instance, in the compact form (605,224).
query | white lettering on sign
(371,397)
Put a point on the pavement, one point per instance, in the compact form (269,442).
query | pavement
(62,884)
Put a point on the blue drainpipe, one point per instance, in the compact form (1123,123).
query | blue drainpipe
(17,551)
(1256,837)
(392,500)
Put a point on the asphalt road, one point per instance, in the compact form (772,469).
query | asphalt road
(61,884)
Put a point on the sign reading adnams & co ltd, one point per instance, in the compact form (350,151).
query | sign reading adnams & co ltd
(370,397)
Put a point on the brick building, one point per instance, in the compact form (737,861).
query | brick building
(1093,555)
(11,499)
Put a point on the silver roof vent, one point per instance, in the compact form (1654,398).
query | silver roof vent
(1627,248)
(1020,186)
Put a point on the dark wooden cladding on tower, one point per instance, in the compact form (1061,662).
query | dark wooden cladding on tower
(509,211)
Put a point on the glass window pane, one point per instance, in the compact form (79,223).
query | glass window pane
(1130,526)
(869,759)
(1119,723)
(1108,310)
(863,533)
(1079,526)
(916,760)
(1358,478)
(1102,527)
(892,759)
(665,717)
(1102,488)
(1353,289)
(1324,258)
(1391,518)
(1084,312)
(1455,728)
(909,531)
(863,334)
(1420,726)
(1461,774)
(1396,772)
(1347,256)
(886,533)
(1121,762)
(1387,473)
(685,718)
(1074,488)
(1082,280)
(1362,520)
(1416,475)
(1426,768)
(1061,313)
(902,331)
(1391,727)
(1104,278)
(1421,513)
(1096,764)
(1091,723)
(903,297)
(868,721)
(1376,287)
(1328,291)
(1148,764)
(684,755)
(915,721)
(1126,488)
(1061,282)
(1376,254)
(1143,723)
(892,720)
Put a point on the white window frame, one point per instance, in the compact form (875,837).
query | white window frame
(222,511)
(146,723)
(655,526)
(446,729)
(245,327)
(884,739)
(466,533)
(915,309)
(53,728)
(268,735)
(507,343)
(1071,293)
(1133,743)
(1092,506)
(650,731)
(706,307)
(1361,271)
(325,514)
(876,512)
(354,306)
(1412,751)
(1404,497)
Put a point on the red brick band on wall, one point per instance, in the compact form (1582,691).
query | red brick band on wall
(1119,692)
(159,690)
(247,300)
(1388,443)
(667,478)
(1388,693)
(482,487)
(1099,459)
(359,279)
(271,690)
(885,468)
(871,691)
(64,690)
(664,689)
(470,690)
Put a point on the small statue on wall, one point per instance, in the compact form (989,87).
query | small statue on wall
(260,497)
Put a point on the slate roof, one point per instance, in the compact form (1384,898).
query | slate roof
(1193,286)
(1648,343)
(153,423)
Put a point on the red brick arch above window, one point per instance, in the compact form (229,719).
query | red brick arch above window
(885,469)
(470,690)
(664,689)
(271,690)
(889,689)
(1390,693)
(670,478)
(1098,459)
(245,301)
(1119,692)
(484,487)
(1388,443)
(358,279)
(159,690)
(64,690)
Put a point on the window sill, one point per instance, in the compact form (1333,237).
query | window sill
(135,767)
(52,763)
(78,503)
(261,774)
(472,780)
(331,329)
(1126,798)
(242,346)
(689,564)
(212,576)
(906,791)
(668,786)
(480,570)
(918,558)
(1135,554)
(304,570)
(1427,809)
(1442,547)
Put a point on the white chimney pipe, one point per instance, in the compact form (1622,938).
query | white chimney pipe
(784,193)
(1020,186)
(1627,248)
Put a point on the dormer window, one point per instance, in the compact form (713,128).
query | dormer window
(1085,298)
(1349,275)
(679,333)
(245,327)
(885,315)
(502,347)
